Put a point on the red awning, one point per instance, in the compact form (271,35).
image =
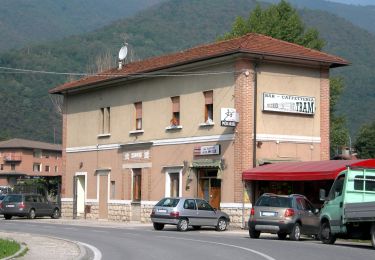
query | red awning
(303,171)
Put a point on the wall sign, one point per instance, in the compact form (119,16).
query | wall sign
(288,104)
(137,155)
(228,117)
(207,150)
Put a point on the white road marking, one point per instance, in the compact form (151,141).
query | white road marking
(97,253)
(223,244)
(99,231)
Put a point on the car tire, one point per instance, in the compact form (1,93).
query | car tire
(282,236)
(253,233)
(32,214)
(182,225)
(6,216)
(372,233)
(197,227)
(325,234)
(55,213)
(296,232)
(222,224)
(158,226)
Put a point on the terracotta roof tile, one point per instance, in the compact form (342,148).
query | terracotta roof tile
(250,43)
(23,143)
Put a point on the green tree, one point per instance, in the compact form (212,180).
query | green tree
(339,133)
(365,142)
(280,21)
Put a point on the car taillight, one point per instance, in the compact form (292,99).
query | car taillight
(1,205)
(174,214)
(289,213)
(21,205)
(252,212)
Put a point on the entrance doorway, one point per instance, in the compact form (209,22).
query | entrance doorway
(209,187)
(81,190)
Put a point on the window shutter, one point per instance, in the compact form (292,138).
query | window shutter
(175,104)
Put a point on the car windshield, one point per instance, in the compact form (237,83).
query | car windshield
(168,202)
(13,198)
(274,201)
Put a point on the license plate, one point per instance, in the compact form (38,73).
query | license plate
(162,210)
(268,214)
(10,206)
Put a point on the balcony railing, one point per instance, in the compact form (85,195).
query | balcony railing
(11,157)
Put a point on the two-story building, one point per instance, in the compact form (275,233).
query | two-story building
(20,159)
(189,123)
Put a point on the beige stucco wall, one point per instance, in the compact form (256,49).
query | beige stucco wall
(291,80)
(84,109)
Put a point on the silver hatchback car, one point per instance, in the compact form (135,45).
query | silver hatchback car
(185,212)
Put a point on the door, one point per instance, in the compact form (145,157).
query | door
(210,187)
(206,214)
(81,190)
(334,205)
(191,212)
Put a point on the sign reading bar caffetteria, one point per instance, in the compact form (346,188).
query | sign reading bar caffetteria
(288,104)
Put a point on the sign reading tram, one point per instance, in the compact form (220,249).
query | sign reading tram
(288,104)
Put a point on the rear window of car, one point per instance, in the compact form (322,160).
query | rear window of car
(13,198)
(168,202)
(274,201)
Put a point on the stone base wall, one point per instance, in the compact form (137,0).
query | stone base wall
(145,213)
(119,212)
(93,213)
(235,215)
(67,209)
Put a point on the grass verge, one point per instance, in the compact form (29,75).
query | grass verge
(8,247)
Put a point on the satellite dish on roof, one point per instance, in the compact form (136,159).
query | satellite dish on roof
(122,55)
(123,52)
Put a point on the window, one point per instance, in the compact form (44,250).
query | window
(189,204)
(137,185)
(203,205)
(47,155)
(337,187)
(46,168)
(209,107)
(175,121)
(368,183)
(168,202)
(105,119)
(138,115)
(56,169)
(37,167)
(37,153)
(113,190)
(12,166)
(1,167)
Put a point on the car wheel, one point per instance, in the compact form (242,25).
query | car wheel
(56,213)
(253,233)
(296,232)
(326,235)
(158,226)
(282,236)
(196,227)
(32,214)
(182,224)
(222,224)
(6,216)
(373,235)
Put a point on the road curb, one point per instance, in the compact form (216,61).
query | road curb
(83,255)
(18,253)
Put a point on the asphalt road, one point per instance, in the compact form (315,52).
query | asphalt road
(142,242)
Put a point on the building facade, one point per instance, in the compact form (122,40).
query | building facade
(23,159)
(189,124)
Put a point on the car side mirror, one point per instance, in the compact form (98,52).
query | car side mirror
(322,195)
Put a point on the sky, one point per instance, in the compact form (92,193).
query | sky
(355,2)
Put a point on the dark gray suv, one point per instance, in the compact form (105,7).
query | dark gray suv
(283,215)
(28,205)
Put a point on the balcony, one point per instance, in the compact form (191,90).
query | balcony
(12,157)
